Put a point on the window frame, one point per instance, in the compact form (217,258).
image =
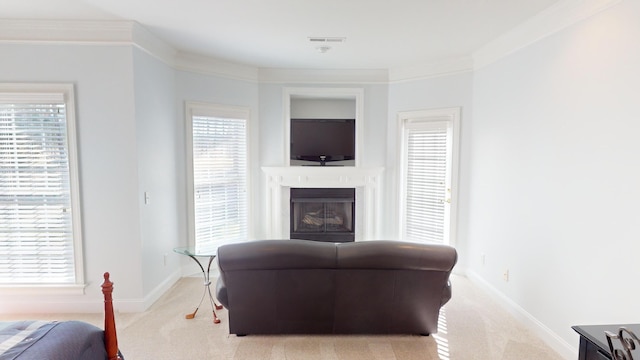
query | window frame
(194,108)
(452,117)
(39,92)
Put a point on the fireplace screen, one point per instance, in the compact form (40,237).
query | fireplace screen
(322,214)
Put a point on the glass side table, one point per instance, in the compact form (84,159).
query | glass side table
(193,254)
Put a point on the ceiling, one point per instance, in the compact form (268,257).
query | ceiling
(378,34)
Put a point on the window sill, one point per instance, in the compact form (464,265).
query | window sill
(45,289)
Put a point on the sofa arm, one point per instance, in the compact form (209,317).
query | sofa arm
(221,292)
(446,294)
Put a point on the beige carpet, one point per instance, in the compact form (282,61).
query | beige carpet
(472,326)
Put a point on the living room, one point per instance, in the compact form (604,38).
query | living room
(547,183)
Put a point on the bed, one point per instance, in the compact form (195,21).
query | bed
(62,340)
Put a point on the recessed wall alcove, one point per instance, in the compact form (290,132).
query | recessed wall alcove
(329,104)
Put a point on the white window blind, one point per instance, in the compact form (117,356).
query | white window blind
(425,182)
(37,243)
(219,147)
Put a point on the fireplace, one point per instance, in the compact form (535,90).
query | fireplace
(323,214)
(366,181)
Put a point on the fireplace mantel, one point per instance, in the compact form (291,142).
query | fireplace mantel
(366,181)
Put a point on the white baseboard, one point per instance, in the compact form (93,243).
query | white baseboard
(36,306)
(84,304)
(139,305)
(564,349)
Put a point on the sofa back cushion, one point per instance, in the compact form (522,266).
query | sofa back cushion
(277,254)
(386,254)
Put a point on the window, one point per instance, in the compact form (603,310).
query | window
(218,174)
(428,169)
(40,237)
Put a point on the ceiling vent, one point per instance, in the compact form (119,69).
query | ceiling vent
(322,44)
(326,40)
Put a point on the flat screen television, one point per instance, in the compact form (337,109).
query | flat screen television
(322,141)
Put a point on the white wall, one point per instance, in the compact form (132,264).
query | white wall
(323,109)
(554,174)
(103,82)
(161,219)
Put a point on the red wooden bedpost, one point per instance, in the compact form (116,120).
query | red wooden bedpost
(110,338)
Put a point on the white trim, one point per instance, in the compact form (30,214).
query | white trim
(30,92)
(194,108)
(152,45)
(48,305)
(152,296)
(324,93)
(366,181)
(62,93)
(128,32)
(74,180)
(567,351)
(212,66)
(548,22)
(188,133)
(208,109)
(82,31)
(86,32)
(323,76)
(42,290)
(451,115)
(446,67)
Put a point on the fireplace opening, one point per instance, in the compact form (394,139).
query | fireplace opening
(323,214)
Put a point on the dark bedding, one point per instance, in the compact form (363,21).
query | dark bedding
(66,340)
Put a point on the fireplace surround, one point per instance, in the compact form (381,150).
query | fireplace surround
(365,180)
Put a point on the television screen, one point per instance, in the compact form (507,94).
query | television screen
(323,140)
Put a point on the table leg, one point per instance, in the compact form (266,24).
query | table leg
(207,280)
(207,290)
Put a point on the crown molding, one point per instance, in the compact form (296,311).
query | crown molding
(216,67)
(153,46)
(444,67)
(324,76)
(94,32)
(66,31)
(549,21)
(125,32)
(117,32)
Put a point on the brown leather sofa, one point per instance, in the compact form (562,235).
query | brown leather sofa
(309,287)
